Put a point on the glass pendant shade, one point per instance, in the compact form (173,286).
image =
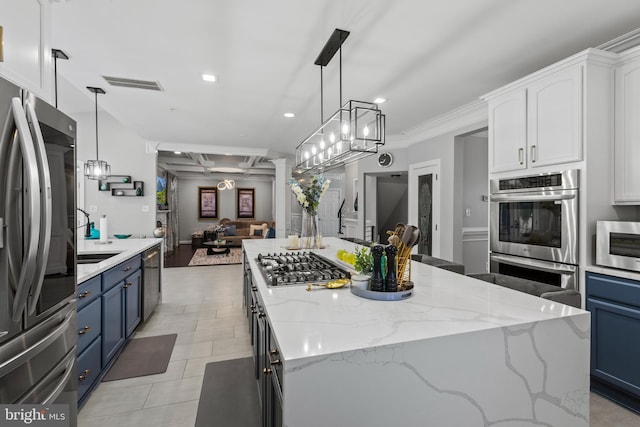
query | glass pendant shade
(96,169)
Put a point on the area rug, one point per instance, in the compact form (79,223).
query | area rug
(143,356)
(200,257)
(229,396)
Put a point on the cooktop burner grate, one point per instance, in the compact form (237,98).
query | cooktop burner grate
(299,268)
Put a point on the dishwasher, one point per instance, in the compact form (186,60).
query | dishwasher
(151,281)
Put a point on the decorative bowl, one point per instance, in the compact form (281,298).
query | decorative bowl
(122,236)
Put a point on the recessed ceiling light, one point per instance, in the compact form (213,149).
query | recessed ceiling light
(177,152)
(289,115)
(379,100)
(209,78)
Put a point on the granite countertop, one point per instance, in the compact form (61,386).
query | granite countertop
(125,249)
(323,321)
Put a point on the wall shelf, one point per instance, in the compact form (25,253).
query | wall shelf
(121,186)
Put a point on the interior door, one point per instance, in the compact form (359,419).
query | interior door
(328,212)
(424,205)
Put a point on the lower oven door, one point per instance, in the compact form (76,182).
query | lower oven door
(540,225)
(553,273)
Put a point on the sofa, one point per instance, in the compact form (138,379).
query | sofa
(543,290)
(235,231)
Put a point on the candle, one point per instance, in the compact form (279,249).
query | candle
(293,240)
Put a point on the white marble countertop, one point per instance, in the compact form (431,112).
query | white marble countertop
(323,321)
(125,249)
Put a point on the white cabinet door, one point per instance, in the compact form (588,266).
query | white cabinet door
(27,54)
(627,134)
(554,113)
(508,132)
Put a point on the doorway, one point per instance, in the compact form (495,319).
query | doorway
(328,212)
(424,205)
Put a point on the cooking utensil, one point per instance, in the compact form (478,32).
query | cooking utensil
(334,284)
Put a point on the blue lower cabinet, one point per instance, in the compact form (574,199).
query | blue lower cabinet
(88,368)
(133,306)
(89,324)
(109,311)
(614,304)
(112,322)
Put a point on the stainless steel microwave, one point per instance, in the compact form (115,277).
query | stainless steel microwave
(618,244)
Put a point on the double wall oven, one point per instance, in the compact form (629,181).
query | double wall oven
(534,227)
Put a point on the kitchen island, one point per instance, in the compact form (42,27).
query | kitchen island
(459,352)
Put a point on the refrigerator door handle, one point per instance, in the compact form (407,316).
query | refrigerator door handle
(45,201)
(27,272)
(10,363)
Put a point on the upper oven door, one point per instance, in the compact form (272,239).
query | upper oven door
(541,225)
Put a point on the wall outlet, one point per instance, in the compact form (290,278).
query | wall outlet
(467,212)
(145,208)
(93,208)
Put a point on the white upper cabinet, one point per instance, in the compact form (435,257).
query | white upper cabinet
(554,112)
(27,53)
(508,131)
(627,133)
(538,123)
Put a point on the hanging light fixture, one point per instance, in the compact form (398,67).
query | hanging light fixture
(227,184)
(353,132)
(96,169)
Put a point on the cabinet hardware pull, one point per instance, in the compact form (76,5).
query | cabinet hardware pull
(126,285)
(533,154)
(254,288)
(274,352)
(275,362)
(266,371)
(126,268)
(84,294)
(85,375)
(261,315)
(84,330)
(520,155)
(254,311)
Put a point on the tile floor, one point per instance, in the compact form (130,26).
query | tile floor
(203,305)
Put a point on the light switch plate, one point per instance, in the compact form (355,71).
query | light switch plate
(93,208)
(145,208)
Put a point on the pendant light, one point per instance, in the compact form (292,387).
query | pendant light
(355,131)
(96,169)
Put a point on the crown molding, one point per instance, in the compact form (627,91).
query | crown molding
(466,115)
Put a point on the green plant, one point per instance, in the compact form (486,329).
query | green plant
(364,261)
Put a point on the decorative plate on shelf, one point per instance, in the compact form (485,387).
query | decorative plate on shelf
(122,236)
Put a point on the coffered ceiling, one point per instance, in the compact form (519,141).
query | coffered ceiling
(426,57)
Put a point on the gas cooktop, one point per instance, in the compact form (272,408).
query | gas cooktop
(299,268)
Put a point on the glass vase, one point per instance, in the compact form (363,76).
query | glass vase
(310,237)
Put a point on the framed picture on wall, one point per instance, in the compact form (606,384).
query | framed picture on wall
(245,203)
(207,202)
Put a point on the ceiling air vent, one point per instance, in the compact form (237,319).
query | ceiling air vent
(133,83)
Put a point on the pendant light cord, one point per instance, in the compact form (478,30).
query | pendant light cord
(321,98)
(97,156)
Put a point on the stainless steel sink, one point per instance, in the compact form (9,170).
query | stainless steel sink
(94,258)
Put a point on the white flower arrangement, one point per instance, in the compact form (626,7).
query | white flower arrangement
(308,197)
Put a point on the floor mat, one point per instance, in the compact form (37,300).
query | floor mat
(143,356)
(229,395)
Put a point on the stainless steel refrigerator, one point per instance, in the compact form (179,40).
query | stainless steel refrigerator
(37,252)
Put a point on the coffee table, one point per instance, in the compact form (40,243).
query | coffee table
(217,247)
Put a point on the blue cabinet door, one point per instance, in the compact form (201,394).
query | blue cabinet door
(112,322)
(615,324)
(133,312)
